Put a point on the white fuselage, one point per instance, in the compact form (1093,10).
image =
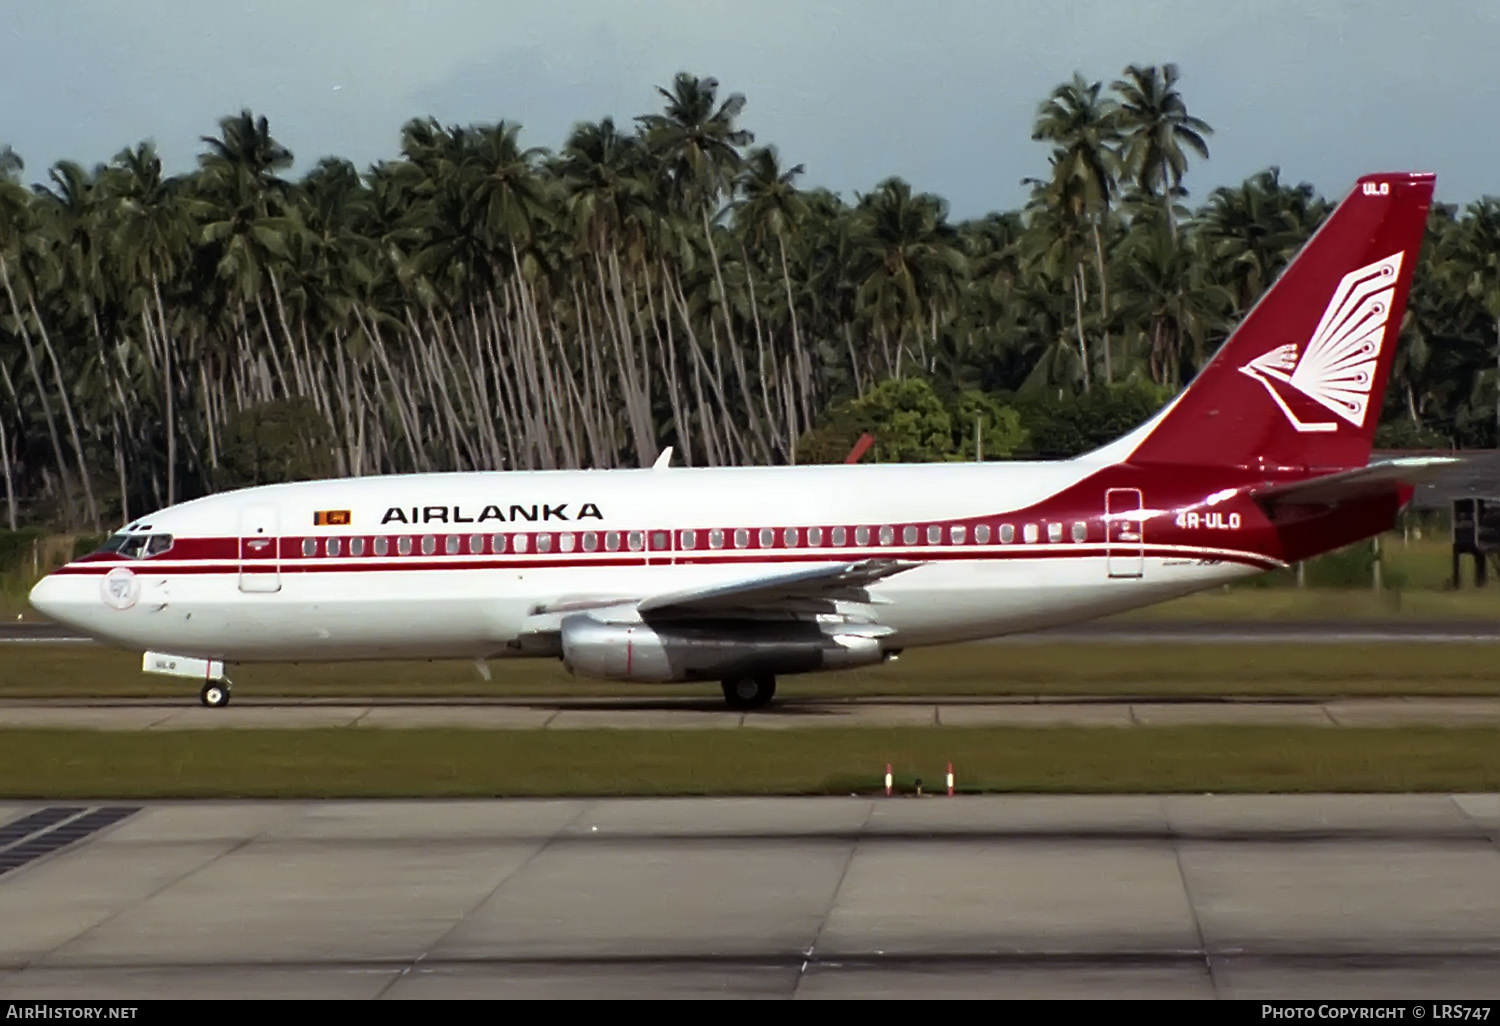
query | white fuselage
(1003,548)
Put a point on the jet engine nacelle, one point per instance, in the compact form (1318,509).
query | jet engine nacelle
(658,653)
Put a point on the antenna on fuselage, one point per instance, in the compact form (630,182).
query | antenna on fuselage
(663,460)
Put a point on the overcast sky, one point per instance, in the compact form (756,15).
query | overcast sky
(941,92)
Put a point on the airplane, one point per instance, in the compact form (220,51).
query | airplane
(741,575)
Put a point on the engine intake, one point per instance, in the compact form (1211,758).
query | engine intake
(659,653)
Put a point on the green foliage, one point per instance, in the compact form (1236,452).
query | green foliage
(1061,427)
(911,423)
(284,440)
(16,548)
(86,543)
(478,302)
(1401,433)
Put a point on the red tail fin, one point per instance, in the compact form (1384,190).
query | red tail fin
(1301,381)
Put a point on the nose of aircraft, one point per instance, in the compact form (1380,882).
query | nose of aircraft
(47,597)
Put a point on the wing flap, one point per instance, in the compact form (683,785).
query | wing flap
(776,592)
(1362,482)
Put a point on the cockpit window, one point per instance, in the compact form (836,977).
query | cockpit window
(137,546)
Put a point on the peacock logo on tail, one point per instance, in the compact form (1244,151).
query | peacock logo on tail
(1336,369)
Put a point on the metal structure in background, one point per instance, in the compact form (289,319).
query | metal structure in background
(1470,493)
(1476,533)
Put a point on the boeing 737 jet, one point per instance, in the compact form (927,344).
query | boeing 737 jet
(743,574)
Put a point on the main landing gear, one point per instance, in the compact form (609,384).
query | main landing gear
(749,692)
(215,694)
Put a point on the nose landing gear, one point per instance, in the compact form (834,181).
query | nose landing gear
(215,694)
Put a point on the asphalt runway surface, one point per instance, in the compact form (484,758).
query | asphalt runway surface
(1288,898)
(709,713)
(1103,631)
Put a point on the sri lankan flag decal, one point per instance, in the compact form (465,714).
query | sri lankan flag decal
(331,518)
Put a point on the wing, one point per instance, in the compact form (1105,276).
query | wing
(1375,479)
(838,582)
(813,591)
(764,594)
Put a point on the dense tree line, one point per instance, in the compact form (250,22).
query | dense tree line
(477,303)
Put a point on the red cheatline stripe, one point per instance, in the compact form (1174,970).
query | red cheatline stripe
(577,561)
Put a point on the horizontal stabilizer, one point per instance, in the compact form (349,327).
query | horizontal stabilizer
(1362,482)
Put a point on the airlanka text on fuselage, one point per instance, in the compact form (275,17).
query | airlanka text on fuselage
(495,512)
(739,575)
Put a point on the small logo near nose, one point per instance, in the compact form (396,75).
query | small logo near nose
(120,588)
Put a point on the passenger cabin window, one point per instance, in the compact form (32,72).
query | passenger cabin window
(689,539)
(1029,533)
(497,543)
(659,541)
(716,539)
(934,534)
(861,536)
(1054,533)
(544,542)
(839,535)
(1080,531)
(356,546)
(403,545)
(956,534)
(636,540)
(982,534)
(590,541)
(789,537)
(815,536)
(741,537)
(612,541)
(476,544)
(429,544)
(450,545)
(333,546)
(309,546)
(382,546)
(565,543)
(887,535)
(909,534)
(518,543)
(767,537)
(1007,533)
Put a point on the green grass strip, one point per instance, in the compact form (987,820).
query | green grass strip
(1126,669)
(373,763)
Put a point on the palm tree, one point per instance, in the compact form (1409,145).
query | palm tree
(696,143)
(1156,126)
(1252,231)
(1173,299)
(908,265)
(1085,164)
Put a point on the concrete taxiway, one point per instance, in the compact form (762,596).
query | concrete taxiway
(710,714)
(1307,897)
